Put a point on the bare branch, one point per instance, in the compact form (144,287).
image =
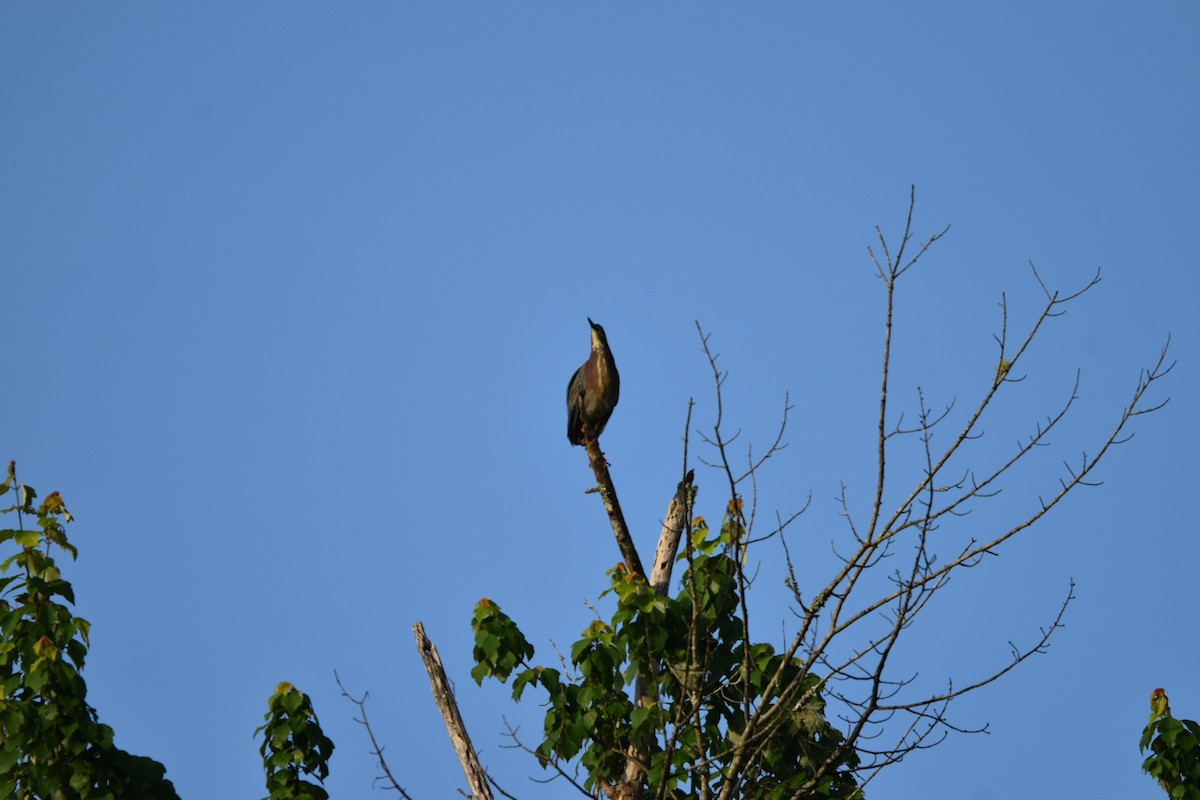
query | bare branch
(674,526)
(376,750)
(926,574)
(443,695)
(553,763)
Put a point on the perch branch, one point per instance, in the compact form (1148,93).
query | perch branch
(608,493)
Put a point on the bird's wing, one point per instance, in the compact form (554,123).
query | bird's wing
(575,389)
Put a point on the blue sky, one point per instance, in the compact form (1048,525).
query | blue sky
(292,292)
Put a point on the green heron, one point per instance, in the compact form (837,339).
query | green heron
(593,391)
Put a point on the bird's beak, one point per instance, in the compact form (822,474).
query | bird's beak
(589,319)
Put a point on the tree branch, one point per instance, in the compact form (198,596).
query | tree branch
(608,493)
(443,695)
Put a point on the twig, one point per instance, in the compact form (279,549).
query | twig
(376,750)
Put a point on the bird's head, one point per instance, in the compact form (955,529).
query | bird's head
(599,340)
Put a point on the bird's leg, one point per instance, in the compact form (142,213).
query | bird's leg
(587,439)
(593,443)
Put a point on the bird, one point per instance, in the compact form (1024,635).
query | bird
(593,391)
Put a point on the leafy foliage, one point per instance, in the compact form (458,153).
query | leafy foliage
(1174,746)
(294,746)
(52,744)
(716,707)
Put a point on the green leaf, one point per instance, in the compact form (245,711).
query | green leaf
(1169,732)
(28,538)
(488,645)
